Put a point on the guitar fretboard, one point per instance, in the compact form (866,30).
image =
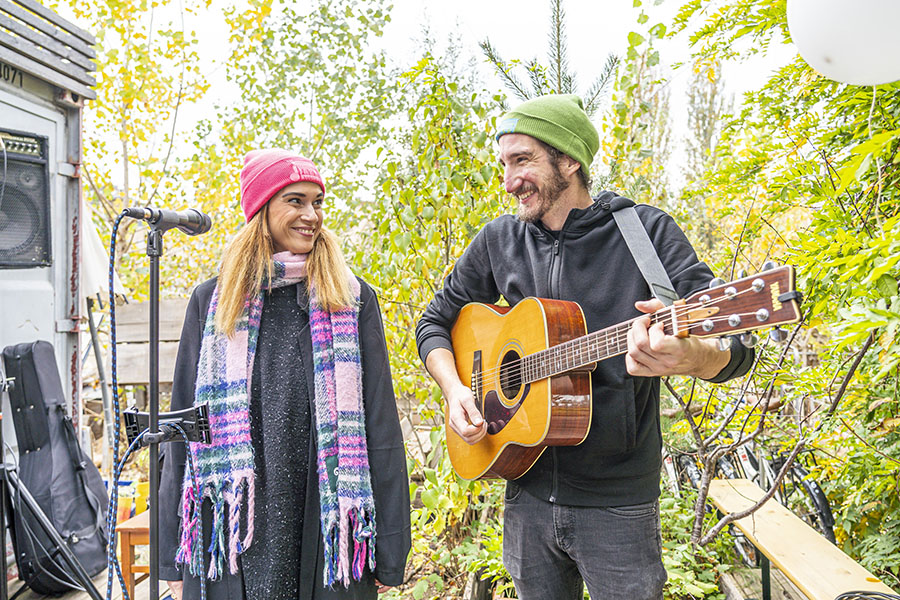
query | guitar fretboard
(579,352)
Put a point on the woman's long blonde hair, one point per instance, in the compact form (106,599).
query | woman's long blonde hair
(247,263)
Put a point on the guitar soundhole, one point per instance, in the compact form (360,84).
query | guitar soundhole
(510,374)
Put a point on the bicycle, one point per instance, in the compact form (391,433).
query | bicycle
(683,470)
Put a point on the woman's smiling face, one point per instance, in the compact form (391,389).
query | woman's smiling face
(295,217)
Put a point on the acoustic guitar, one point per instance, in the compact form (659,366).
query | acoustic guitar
(529,366)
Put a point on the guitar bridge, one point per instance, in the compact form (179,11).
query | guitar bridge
(477,384)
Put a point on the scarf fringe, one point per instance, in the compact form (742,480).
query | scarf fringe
(359,524)
(225,497)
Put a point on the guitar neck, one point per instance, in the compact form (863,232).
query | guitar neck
(766,299)
(584,350)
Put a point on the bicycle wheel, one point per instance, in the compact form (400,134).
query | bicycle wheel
(805,498)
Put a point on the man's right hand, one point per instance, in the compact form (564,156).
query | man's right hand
(175,588)
(463,416)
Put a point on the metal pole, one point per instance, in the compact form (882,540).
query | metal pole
(104,391)
(154,250)
(766,577)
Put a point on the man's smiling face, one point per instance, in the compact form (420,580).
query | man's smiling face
(531,175)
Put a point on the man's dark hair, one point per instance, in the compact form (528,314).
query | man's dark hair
(555,155)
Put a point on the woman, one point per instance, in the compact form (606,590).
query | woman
(296,502)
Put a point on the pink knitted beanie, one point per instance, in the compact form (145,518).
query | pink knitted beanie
(265,172)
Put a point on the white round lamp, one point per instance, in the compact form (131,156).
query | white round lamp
(849,41)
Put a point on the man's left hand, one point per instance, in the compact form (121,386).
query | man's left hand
(652,353)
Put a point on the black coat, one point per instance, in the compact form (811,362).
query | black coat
(387,462)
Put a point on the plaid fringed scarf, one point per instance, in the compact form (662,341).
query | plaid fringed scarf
(225,467)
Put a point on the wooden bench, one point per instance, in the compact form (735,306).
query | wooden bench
(816,566)
(133,532)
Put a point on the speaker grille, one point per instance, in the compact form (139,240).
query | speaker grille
(25,202)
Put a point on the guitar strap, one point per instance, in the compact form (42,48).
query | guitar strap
(644,254)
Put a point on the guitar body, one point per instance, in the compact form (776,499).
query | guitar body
(529,367)
(523,418)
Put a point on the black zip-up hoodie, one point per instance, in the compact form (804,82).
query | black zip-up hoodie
(587,261)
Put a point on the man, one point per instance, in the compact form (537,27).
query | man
(586,513)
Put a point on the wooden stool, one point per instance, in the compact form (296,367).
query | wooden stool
(133,532)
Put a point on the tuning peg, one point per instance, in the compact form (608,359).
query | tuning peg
(741,273)
(769,265)
(723,343)
(716,282)
(749,340)
(778,335)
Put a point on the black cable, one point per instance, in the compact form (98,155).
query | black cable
(111,516)
(117,472)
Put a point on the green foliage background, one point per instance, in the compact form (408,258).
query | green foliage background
(803,170)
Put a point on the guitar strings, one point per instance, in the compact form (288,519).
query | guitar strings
(604,337)
(565,352)
(664,317)
(571,352)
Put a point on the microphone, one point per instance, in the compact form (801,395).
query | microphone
(190,221)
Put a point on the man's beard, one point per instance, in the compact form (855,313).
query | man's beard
(548,194)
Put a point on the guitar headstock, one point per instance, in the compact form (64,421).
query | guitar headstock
(763,300)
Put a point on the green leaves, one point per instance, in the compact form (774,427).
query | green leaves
(635,39)
(863,155)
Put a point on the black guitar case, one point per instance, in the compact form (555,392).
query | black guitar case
(52,466)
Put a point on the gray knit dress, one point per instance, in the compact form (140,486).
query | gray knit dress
(280,426)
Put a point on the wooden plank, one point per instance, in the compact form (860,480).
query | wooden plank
(41,39)
(132,320)
(744,583)
(49,75)
(814,564)
(57,20)
(26,48)
(29,18)
(133,363)
(142,590)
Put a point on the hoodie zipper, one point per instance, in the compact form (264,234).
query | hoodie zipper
(554,289)
(554,293)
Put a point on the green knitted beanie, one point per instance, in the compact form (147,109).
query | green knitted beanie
(556,120)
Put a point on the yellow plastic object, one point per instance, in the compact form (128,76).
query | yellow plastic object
(140,499)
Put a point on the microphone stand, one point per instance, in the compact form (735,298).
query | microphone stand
(154,251)
(191,222)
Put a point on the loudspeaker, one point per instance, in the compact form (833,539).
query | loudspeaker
(24,201)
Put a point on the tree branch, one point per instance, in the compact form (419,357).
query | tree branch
(558,61)
(503,70)
(600,87)
(731,517)
(859,356)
